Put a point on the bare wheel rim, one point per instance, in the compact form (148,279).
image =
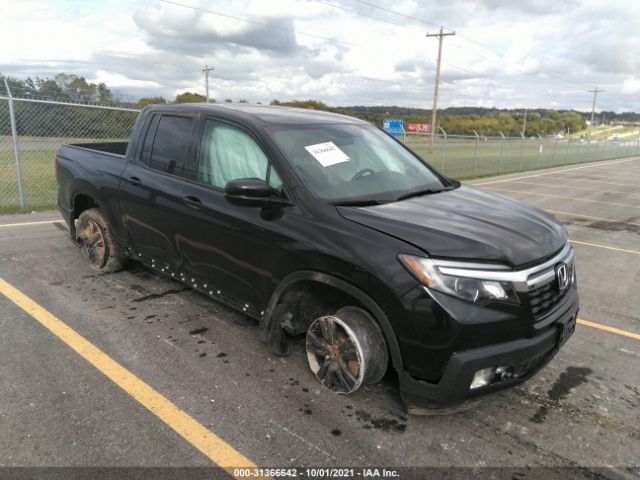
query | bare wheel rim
(93,244)
(335,355)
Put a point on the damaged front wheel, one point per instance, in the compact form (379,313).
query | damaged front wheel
(346,350)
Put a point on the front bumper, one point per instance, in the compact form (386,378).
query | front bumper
(527,354)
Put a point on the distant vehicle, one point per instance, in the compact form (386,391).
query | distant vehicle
(615,138)
(322,226)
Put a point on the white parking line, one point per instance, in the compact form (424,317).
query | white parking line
(626,205)
(559,171)
(592,179)
(571,186)
(592,217)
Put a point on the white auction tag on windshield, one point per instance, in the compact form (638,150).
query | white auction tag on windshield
(327,153)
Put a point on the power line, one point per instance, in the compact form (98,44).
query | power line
(337,41)
(400,14)
(255,22)
(464,37)
(363,14)
(397,25)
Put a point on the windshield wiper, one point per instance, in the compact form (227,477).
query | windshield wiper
(424,191)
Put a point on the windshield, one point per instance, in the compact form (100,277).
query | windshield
(346,163)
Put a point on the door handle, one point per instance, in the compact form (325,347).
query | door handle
(135,181)
(191,201)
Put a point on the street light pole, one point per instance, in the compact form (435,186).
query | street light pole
(206,71)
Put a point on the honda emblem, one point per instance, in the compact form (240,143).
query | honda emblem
(562,274)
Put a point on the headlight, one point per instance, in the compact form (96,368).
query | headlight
(476,290)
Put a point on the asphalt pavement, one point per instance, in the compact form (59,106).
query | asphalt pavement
(580,415)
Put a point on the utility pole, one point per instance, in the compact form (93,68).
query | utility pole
(206,71)
(524,123)
(434,113)
(593,108)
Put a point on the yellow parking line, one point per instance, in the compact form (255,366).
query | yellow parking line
(603,219)
(628,205)
(30,223)
(193,432)
(608,247)
(609,329)
(558,171)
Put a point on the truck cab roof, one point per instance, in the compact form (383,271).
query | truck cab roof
(260,114)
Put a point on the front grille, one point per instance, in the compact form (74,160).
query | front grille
(545,298)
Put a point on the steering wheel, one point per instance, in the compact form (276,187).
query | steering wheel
(363,173)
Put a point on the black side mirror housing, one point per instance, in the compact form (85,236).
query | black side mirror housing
(251,192)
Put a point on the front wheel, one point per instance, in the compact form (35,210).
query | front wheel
(96,242)
(346,350)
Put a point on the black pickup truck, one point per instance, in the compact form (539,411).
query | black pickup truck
(323,227)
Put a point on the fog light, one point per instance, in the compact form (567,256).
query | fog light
(482,378)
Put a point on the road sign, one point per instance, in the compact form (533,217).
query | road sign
(393,126)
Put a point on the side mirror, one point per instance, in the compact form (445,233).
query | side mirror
(250,192)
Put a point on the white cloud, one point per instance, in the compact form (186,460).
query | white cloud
(631,86)
(505,53)
(117,80)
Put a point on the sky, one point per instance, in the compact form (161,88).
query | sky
(505,54)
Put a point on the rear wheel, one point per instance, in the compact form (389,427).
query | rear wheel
(346,350)
(96,242)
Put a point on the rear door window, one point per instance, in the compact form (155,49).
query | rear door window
(171,145)
(150,134)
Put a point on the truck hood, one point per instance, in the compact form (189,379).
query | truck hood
(467,223)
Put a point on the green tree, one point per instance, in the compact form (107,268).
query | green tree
(48,88)
(189,97)
(145,101)
(572,122)
(104,94)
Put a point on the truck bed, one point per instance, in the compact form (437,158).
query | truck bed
(116,148)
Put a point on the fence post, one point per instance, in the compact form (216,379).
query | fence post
(14,135)
(566,152)
(501,153)
(475,154)
(553,157)
(539,151)
(588,150)
(444,149)
(521,148)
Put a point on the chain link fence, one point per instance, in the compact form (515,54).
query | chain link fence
(31,131)
(464,156)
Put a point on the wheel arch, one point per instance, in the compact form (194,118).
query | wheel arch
(83,198)
(296,278)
